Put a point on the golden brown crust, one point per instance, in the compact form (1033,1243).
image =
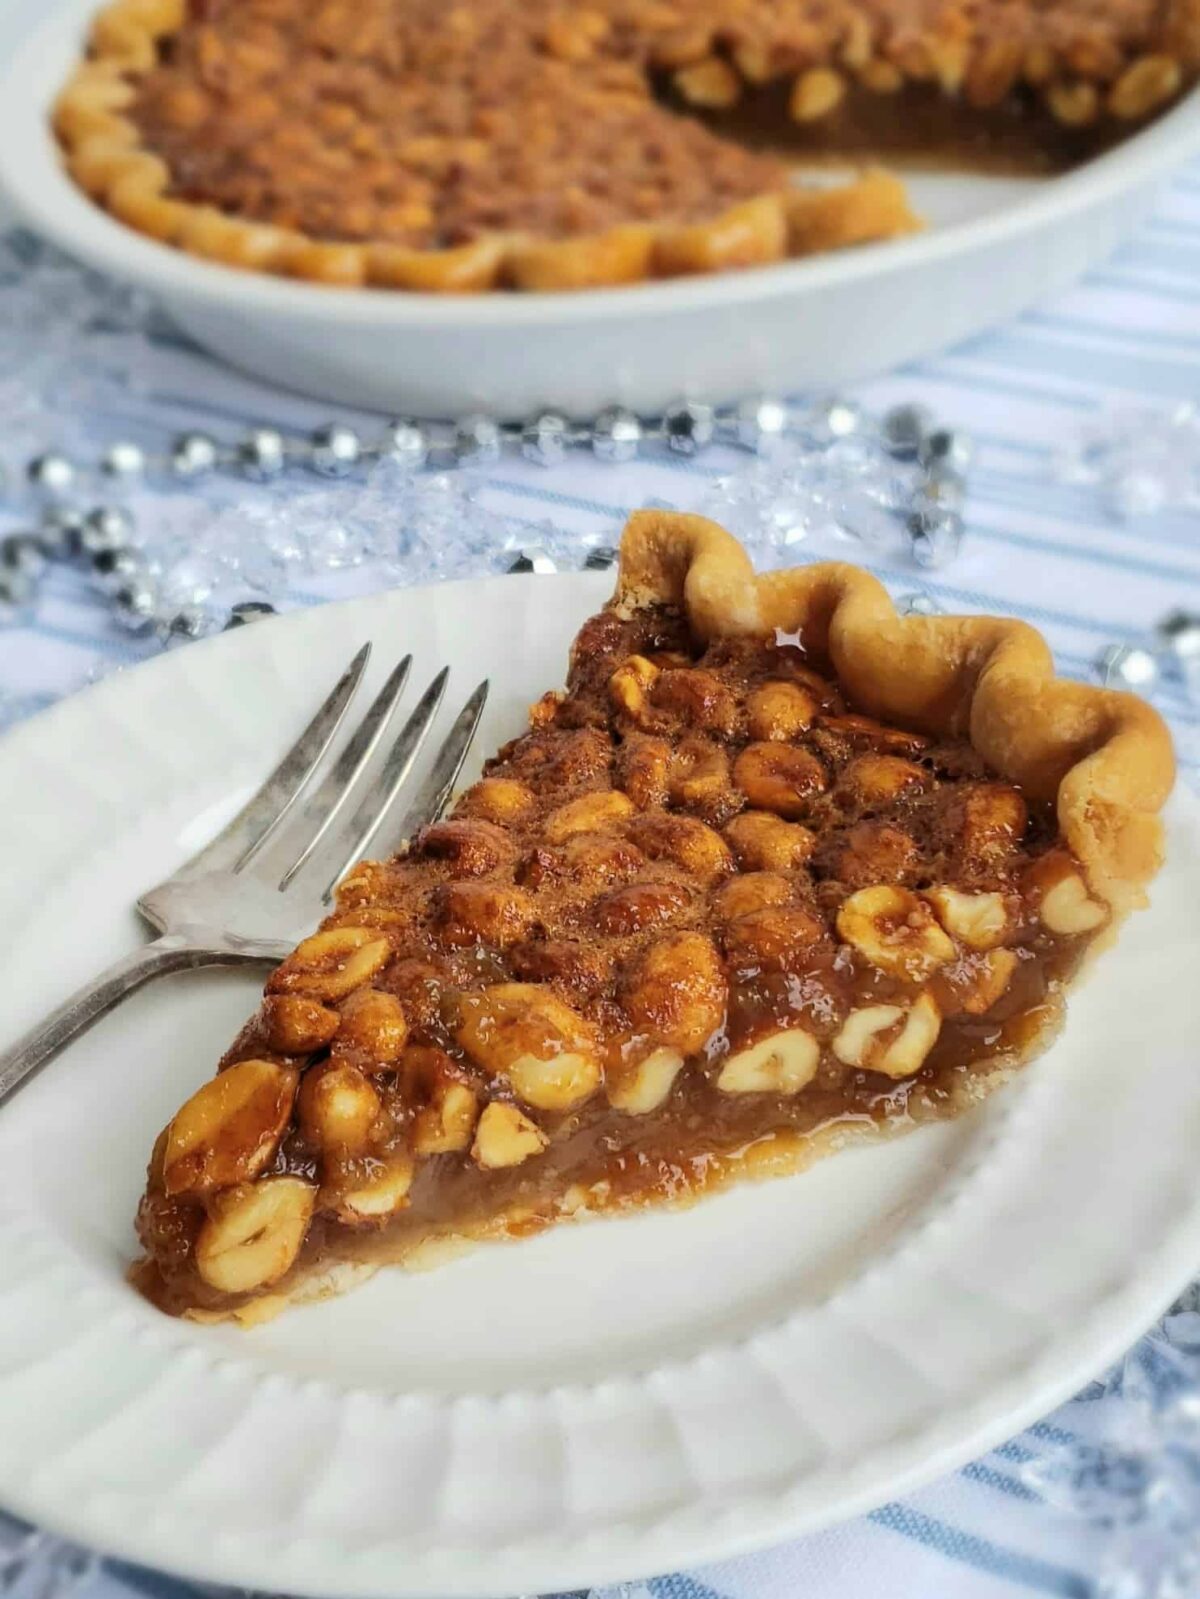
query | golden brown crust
(1104,758)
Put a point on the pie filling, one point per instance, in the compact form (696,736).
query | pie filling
(703,920)
(421,125)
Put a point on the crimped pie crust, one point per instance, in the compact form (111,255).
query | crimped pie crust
(1104,758)
(624,972)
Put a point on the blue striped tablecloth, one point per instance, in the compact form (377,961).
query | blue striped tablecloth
(1125,339)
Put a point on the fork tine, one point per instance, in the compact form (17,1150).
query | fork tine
(439,785)
(338,853)
(290,845)
(263,813)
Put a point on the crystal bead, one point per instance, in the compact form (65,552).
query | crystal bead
(544,440)
(116,569)
(943,489)
(689,426)
(188,623)
(945,449)
(616,435)
(23,552)
(1179,633)
(262,454)
(1126,666)
(16,588)
(478,440)
(193,455)
(903,428)
(600,558)
(406,443)
(107,527)
(918,605)
(335,450)
(534,559)
(759,422)
(136,604)
(247,611)
(1136,492)
(830,419)
(123,462)
(51,474)
(59,530)
(934,537)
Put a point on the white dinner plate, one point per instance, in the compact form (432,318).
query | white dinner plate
(608,1400)
(993,246)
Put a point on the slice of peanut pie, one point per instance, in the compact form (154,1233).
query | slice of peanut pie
(778,871)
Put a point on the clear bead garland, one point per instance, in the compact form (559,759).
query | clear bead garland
(231,520)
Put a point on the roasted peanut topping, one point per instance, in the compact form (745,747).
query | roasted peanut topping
(501,800)
(473,847)
(641,906)
(374,1027)
(506,1137)
(483,913)
(675,992)
(253,1233)
(296,1026)
(689,843)
(779,711)
(782,1063)
(230,1129)
(779,778)
(876,780)
(765,843)
(888,1039)
(378,1195)
(751,891)
(338,1108)
(642,1087)
(331,964)
(590,813)
(1064,903)
(547,1051)
(980,921)
(895,931)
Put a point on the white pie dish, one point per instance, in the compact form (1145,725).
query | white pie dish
(602,1402)
(994,246)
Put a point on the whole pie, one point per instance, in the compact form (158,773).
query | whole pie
(542,144)
(779,871)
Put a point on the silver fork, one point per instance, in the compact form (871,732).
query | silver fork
(268,877)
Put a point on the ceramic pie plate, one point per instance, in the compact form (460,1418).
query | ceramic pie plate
(993,246)
(606,1401)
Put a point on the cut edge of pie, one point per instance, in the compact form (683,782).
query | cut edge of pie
(444,1064)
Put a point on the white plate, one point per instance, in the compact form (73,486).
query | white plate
(607,1400)
(994,246)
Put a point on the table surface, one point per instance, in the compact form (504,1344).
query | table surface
(1116,349)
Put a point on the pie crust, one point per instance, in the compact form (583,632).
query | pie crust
(780,871)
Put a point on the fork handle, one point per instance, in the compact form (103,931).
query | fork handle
(173,952)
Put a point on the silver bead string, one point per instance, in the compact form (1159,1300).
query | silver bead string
(100,540)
